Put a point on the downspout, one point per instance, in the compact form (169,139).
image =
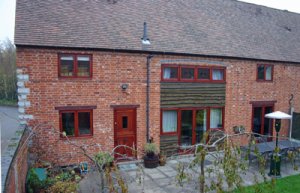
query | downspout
(291,113)
(148,99)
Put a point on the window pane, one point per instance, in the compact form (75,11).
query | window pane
(268,72)
(257,121)
(169,121)
(218,74)
(125,122)
(84,124)
(260,72)
(268,122)
(216,118)
(186,127)
(66,65)
(203,73)
(200,125)
(68,123)
(187,73)
(83,63)
(170,73)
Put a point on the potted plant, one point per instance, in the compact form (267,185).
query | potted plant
(162,159)
(151,159)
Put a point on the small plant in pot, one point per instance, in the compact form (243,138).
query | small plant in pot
(151,159)
(162,159)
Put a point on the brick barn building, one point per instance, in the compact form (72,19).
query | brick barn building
(93,70)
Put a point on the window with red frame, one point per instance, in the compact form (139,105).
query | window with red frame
(169,121)
(178,73)
(264,72)
(76,123)
(170,73)
(187,73)
(75,65)
(192,122)
(203,74)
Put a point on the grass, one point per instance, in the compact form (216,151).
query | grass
(290,184)
(6,102)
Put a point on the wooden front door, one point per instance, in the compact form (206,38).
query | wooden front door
(125,132)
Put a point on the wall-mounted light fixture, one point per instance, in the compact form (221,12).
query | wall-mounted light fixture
(124,87)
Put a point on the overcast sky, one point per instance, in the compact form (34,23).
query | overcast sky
(7,13)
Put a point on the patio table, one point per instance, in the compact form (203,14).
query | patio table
(266,148)
(270,146)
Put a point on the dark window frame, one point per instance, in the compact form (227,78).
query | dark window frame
(195,79)
(265,72)
(75,66)
(76,122)
(194,109)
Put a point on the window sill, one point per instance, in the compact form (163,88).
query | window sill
(74,78)
(195,81)
(266,81)
(169,134)
(76,138)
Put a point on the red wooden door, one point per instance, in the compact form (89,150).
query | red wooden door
(125,132)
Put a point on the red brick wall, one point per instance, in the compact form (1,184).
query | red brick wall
(242,88)
(16,176)
(111,69)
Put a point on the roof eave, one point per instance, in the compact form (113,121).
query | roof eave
(154,52)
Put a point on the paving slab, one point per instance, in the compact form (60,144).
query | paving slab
(162,179)
(156,175)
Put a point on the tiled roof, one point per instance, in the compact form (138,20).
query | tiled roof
(205,27)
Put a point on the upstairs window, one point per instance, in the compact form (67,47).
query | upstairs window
(75,66)
(203,73)
(170,73)
(264,72)
(180,73)
(218,74)
(187,73)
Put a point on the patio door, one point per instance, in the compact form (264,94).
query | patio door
(124,131)
(260,124)
(192,126)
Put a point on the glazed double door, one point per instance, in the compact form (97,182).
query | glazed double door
(193,125)
(260,124)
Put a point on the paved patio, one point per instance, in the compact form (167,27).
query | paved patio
(163,178)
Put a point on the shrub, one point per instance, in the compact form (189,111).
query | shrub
(63,187)
(34,184)
(150,148)
(103,158)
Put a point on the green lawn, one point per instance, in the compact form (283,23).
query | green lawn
(290,184)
